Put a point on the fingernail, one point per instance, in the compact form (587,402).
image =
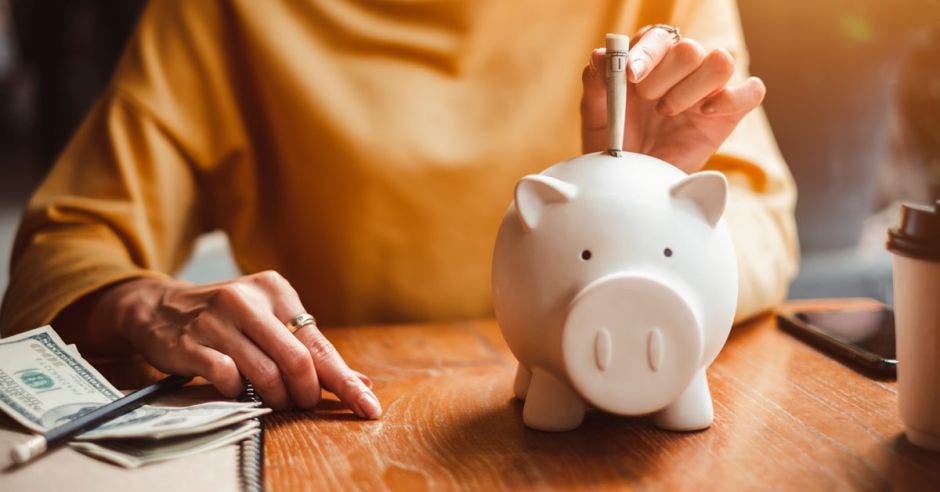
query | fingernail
(637,68)
(593,56)
(370,405)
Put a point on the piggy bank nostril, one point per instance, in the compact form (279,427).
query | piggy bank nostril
(654,349)
(602,349)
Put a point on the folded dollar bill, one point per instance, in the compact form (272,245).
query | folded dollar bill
(158,422)
(45,382)
(132,453)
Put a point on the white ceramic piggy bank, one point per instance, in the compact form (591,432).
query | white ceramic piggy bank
(615,284)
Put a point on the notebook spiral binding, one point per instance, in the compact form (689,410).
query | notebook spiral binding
(251,450)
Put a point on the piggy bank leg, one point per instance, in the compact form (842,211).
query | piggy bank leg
(551,405)
(521,384)
(692,410)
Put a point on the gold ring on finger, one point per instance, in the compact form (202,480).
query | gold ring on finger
(300,321)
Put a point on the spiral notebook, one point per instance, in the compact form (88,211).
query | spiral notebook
(251,451)
(236,467)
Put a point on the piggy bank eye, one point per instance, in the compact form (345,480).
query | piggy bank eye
(586,255)
(667,252)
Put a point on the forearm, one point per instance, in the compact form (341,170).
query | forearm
(119,204)
(765,243)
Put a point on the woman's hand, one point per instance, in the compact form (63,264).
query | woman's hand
(231,329)
(680,107)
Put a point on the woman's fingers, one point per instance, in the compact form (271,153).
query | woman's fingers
(216,367)
(683,59)
(646,54)
(188,357)
(336,376)
(595,88)
(709,78)
(741,98)
(237,329)
(594,104)
(252,362)
(258,368)
(293,359)
(300,370)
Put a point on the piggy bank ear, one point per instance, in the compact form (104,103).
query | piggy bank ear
(708,190)
(534,193)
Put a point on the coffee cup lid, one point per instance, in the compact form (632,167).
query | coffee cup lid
(918,234)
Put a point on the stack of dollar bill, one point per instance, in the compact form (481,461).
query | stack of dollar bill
(45,383)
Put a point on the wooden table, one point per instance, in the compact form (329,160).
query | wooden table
(785,416)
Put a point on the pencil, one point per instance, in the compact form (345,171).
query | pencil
(39,444)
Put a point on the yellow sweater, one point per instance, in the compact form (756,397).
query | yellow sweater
(364,149)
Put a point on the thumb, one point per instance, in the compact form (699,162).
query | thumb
(594,104)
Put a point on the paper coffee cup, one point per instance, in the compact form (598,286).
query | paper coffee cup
(915,245)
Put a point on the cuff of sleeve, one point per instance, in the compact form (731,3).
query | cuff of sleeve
(765,247)
(44,282)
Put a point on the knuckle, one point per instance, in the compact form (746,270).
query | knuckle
(221,371)
(220,367)
(722,62)
(725,54)
(269,278)
(350,383)
(689,52)
(233,295)
(268,376)
(321,348)
(297,361)
(760,90)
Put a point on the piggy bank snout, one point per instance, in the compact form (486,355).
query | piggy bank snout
(631,343)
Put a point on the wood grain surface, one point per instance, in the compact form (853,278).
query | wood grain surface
(786,417)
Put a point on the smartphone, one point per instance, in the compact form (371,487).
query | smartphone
(863,338)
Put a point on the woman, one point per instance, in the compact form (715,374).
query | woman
(366,152)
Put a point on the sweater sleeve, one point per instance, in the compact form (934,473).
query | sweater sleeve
(129,194)
(760,209)
(120,202)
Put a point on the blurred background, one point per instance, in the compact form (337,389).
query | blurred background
(853,98)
